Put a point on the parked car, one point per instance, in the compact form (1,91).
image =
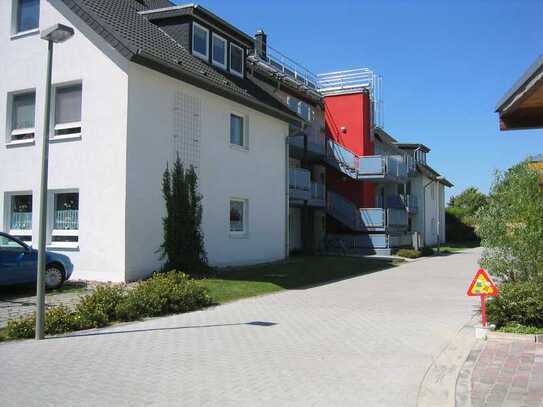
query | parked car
(19,262)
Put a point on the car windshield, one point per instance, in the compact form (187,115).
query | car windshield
(8,243)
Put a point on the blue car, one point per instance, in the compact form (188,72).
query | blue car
(19,262)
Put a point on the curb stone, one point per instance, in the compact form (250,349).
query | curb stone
(438,386)
(463,382)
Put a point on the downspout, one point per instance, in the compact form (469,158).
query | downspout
(287,199)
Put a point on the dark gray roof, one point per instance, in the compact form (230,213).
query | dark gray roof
(130,33)
(536,67)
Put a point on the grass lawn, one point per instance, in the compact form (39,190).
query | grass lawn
(298,272)
(457,247)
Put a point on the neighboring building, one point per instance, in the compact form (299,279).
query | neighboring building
(285,162)
(522,106)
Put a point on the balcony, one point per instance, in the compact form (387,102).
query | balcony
(318,194)
(272,62)
(299,184)
(381,220)
(405,202)
(308,143)
(376,168)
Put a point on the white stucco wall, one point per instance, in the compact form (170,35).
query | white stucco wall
(257,174)
(94,164)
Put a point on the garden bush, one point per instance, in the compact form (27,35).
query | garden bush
(99,308)
(517,303)
(426,251)
(408,253)
(164,293)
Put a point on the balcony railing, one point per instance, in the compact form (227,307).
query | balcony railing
(318,191)
(66,219)
(370,168)
(285,68)
(21,220)
(316,140)
(299,183)
(355,80)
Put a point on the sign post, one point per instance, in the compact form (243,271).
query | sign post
(482,286)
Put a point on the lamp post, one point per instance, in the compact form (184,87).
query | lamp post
(56,34)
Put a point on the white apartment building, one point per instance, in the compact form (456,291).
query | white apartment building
(127,98)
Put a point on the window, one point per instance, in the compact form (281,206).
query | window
(7,244)
(200,41)
(68,111)
(237,131)
(23,109)
(236,60)
(218,51)
(26,15)
(20,217)
(238,215)
(65,219)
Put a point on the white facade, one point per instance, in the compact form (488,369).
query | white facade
(133,120)
(429,220)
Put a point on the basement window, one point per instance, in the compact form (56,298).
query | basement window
(238,217)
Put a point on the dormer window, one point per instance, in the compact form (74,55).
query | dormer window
(236,60)
(218,51)
(200,41)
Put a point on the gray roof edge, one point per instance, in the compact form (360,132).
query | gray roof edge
(146,59)
(528,74)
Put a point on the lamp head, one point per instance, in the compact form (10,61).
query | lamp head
(57,33)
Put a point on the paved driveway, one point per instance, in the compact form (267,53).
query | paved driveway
(366,341)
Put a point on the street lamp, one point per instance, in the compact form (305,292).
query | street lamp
(56,34)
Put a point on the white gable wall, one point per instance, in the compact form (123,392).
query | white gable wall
(95,164)
(257,174)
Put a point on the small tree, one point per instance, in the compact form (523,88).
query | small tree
(183,246)
(511,225)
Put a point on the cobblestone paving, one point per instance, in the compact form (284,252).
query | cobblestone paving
(508,373)
(13,305)
(365,341)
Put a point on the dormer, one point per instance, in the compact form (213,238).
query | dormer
(207,36)
(416,150)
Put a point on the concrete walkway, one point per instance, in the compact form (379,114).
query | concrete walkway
(366,341)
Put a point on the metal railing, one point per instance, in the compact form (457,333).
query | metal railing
(287,68)
(365,167)
(318,191)
(21,220)
(299,179)
(333,83)
(66,219)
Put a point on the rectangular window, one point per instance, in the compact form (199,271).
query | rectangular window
(65,219)
(218,53)
(68,110)
(23,110)
(27,15)
(20,217)
(200,41)
(236,60)
(238,216)
(237,131)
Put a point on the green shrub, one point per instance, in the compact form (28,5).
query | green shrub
(21,328)
(521,329)
(99,308)
(408,253)
(164,293)
(517,303)
(457,229)
(427,251)
(59,319)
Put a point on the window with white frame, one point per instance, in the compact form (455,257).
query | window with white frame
(200,41)
(236,60)
(26,15)
(237,131)
(65,224)
(20,216)
(238,216)
(218,51)
(23,111)
(67,110)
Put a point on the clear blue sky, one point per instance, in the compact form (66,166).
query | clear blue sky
(445,65)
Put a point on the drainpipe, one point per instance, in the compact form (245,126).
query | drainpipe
(287,199)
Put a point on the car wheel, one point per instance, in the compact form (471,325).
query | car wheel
(54,277)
